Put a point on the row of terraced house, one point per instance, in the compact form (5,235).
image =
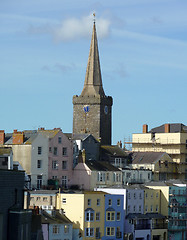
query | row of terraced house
(151,211)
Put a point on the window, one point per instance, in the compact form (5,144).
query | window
(118,216)
(110,216)
(64,151)
(146,208)
(66,228)
(149,176)
(118,202)
(89,216)
(151,195)
(64,181)
(129,207)
(140,208)
(129,195)
(64,200)
(118,162)
(166,164)
(146,195)
(134,208)
(45,199)
(89,202)
(97,232)
(128,175)
(140,196)
(134,195)
(39,164)
(151,208)
(56,229)
(110,202)
(97,217)
(98,202)
(156,208)
(64,165)
(39,181)
(110,231)
(38,199)
(107,177)
(100,176)
(157,195)
(116,177)
(89,232)
(54,177)
(39,150)
(50,150)
(59,139)
(55,151)
(55,164)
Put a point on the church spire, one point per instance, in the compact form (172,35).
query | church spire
(93,81)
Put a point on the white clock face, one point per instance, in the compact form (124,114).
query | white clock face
(105,109)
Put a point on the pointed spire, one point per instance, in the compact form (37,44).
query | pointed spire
(93,81)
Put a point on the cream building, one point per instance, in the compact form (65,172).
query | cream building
(160,163)
(86,211)
(169,138)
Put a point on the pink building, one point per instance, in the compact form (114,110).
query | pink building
(60,159)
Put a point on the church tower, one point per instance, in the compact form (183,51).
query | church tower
(92,110)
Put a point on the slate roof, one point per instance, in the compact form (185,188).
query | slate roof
(146,157)
(57,218)
(82,136)
(101,166)
(174,128)
(30,135)
(114,150)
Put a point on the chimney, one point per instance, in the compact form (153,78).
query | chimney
(145,128)
(2,136)
(18,137)
(167,128)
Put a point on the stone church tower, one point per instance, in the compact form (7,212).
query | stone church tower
(92,110)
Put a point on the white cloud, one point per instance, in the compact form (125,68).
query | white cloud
(73,29)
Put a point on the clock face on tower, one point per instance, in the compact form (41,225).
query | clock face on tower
(86,108)
(105,109)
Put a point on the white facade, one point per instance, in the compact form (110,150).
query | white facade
(136,176)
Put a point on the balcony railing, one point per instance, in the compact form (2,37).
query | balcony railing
(142,226)
(159,226)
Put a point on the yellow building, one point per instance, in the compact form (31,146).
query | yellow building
(86,211)
(169,138)
(164,195)
(152,208)
(151,201)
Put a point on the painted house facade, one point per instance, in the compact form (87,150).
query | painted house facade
(91,174)
(89,216)
(114,217)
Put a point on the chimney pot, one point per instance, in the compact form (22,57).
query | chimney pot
(2,136)
(145,128)
(167,127)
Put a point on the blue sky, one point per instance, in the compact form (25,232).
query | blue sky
(44,47)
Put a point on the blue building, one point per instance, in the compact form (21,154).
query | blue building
(177,225)
(114,216)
